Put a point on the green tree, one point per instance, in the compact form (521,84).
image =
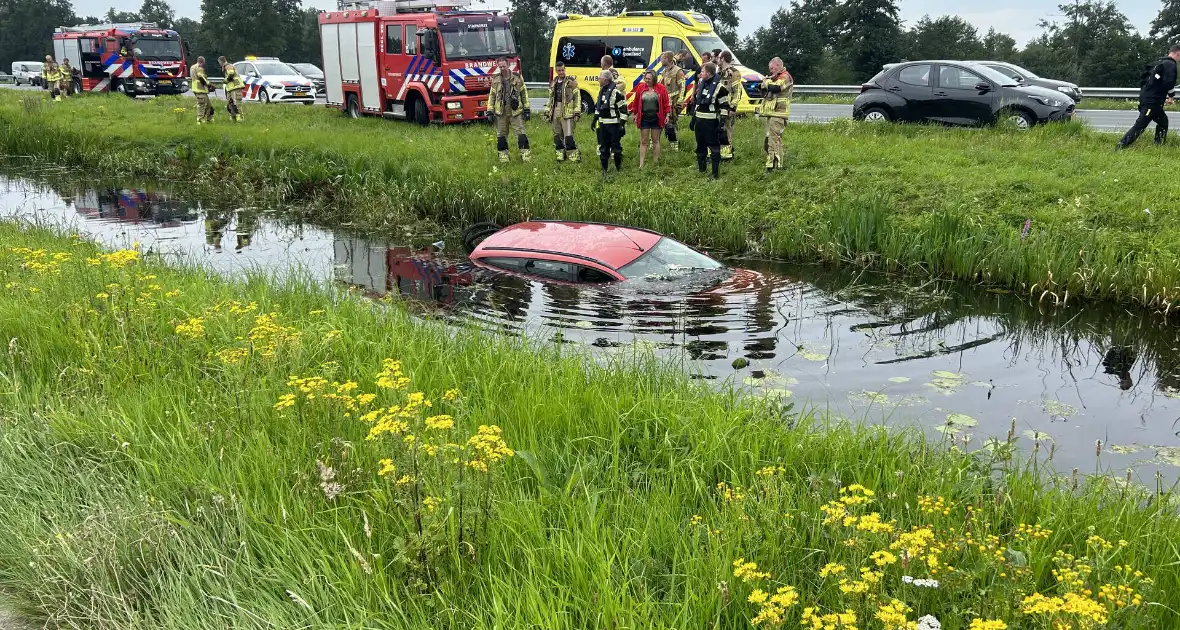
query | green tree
(869,34)
(303,45)
(236,28)
(27,31)
(1095,45)
(947,37)
(1165,28)
(157,11)
(790,36)
(999,46)
(722,12)
(121,16)
(190,33)
(534,27)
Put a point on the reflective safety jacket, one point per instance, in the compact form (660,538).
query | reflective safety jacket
(611,108)
(673,80)
(565,100)
(710,100)
(732,78)
(51,73)
(776,96)
(200,81)
(511,101)
(64,71)
(233,80)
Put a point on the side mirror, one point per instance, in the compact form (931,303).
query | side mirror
(422,32)
(983,86)
(1018,79)
(253,74)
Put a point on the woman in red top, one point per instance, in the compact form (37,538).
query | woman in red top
(650,106)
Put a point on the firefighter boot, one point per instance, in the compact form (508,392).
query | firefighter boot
(559,146)
(675,145)
(700,163)
(571,149)
(522,142)
(502,147)
(561,155)
(716,166)
(575,156)
(727,151)
(618,161)
(604,159)
(1161,135)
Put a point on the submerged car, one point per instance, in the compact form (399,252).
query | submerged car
(956,93)
(1025,76)
(575,252)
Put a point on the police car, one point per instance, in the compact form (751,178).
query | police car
(269,80)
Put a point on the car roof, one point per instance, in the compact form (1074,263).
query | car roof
(614,246)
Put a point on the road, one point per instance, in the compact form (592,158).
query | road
(1101,120)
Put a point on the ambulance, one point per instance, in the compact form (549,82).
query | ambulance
(635,40)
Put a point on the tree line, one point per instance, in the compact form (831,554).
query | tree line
(1090,42)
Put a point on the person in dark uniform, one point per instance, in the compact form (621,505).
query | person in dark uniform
(610,120)
(709,104)
(1156,90)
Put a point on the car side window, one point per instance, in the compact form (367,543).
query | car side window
(507,264)
(552,269)
(1006,71)
(590,274)
(674,45)
(915,75)
(955,78)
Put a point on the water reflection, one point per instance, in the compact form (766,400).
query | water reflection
(865,345)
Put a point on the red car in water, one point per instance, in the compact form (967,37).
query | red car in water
(569,251)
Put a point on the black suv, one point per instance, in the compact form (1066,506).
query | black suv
(956,93)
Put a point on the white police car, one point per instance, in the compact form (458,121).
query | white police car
(269,80)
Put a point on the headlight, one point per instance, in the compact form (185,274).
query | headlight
(138,83)
(455,105)
(1044,100)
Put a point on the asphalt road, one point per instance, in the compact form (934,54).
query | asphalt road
(1101,120)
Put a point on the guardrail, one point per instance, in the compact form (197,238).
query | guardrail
(6,78)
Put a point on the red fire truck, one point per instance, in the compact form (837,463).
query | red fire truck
(414,59)
(132,58)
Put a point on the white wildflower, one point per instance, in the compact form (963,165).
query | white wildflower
(929,622)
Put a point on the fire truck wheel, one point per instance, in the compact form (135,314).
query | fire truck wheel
(77,86)
(421,116)
(120,88)
(353,110)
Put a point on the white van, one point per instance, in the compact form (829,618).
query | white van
(27,72)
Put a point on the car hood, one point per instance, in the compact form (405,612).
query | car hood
(1036,90)
(286,79)
(1052,84)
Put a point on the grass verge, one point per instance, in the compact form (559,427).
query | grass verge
(182,452)
(933,201)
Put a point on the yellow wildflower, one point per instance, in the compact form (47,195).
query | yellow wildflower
(387,467)
(747,571)
(440,423)
(990,624)
(193,328)
(831,568)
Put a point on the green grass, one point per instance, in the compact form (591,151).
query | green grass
(153,478)
(916,199)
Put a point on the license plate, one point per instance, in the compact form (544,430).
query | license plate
(301,94)
(165,82)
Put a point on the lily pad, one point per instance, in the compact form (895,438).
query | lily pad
(899,379)
(872,398)
(948,429)
(778,394)
(1126,449)
(1168,455)
(949,375)
(811,354)
(1038,436)
(584,324)
(1172,392)
(961,420)
(1058,409)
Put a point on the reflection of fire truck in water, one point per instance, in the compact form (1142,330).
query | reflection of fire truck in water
(400,271)
(421,60)
(133,206)
(134,58)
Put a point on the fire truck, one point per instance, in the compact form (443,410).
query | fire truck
(131,58)
(413,59)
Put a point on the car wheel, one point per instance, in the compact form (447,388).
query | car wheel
(264,96)
(352,108)
(421,116)
(587,104)
(876,114)
(1023,120)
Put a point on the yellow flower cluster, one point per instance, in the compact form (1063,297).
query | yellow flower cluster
(1072,605)
(193,328)
(440,423)
(392,376)
(40,261)
(233,356)
(729,493)
(831,569)
(893,616)
(987,624)
(1119,596)
(267,334)
(451,395)
(387,467)
(934,505)
(773,609)
(1026,532)
(487,447)
(115,260)
(868,580)
(831,621)
(746,571)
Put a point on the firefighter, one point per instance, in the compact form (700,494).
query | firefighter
(246,227)
(564,109)
(200,88)
(731,77)
(215,223)
(709,104)
(51,75)
(66,80)
(776,108)
(610,120)
(233,89)
(672,78)
(607,63)
(510,109)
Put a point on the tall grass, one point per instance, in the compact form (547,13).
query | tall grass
(923,200)
(171,460)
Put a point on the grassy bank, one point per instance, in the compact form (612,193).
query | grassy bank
(180,452)
(922,200)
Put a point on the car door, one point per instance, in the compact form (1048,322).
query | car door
(913,86)
(958,99)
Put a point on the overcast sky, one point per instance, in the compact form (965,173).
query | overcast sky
(1018,18)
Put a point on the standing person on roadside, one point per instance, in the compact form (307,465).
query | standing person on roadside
(233,89)
(1156,90)
(66,81)
(564,109)
(672,78)
(650,107)
(51,75)
(610,120)
(200,88)
(510,109)
(776,108)
(709,104)
(731,78)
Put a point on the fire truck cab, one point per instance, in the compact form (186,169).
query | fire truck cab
(131,58)
(414,59)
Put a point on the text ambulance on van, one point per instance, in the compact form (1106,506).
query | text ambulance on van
(635,39)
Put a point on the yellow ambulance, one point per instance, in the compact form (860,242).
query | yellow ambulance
(635,40)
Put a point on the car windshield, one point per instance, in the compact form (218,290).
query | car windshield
(273,68)
(32,67)
(991,75)
(307,69)
(157,49)
(476,40)
(1028,74)
(666,258)
(709,43)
